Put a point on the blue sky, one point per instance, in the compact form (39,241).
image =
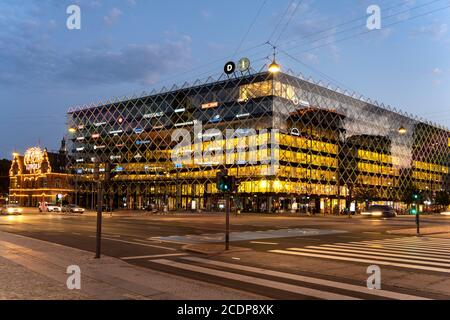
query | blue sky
(130,46)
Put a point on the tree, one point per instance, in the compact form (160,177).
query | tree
(5,165)
(365,194)
(442,199)
(411,194)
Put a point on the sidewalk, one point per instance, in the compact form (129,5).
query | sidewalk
(35,269)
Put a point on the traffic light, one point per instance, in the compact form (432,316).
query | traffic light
(225,183)
(413,210)
(111,170)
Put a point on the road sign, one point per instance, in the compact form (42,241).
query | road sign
(244,64)
(230,67)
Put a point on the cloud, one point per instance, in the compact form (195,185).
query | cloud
(131,64)
(309,28)
(310,57)
(132,3)
(113,16)
(436,31)
(29,57)
(205,14)
(437,71)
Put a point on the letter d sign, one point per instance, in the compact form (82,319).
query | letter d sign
(230,67)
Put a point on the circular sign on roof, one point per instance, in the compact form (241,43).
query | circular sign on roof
(244,64)
(33,158)
(229,67)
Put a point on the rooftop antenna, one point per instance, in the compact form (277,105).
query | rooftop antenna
(274,67)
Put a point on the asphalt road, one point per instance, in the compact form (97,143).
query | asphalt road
(335,249)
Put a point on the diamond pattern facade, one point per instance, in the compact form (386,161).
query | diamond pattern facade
(293,145)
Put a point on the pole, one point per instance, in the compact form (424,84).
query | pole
(417,221)
(227,223)
(99,219)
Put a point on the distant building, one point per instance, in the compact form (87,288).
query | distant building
(4,180)
(38,176)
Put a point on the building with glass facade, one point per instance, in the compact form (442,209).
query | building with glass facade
(292,144)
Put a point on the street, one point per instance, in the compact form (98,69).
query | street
(276,257)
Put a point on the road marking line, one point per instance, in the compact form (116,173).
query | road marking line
(140,244)
(388,250)
(412,244)
(167,241)
(422,242)
(112,235)
(262,242)
(410,240)
(322,282)
(377,253)
(147,241)
(155,256)
(403,247)
(257,281)
(414,240)
(368,253)
(398,246)
(371,261)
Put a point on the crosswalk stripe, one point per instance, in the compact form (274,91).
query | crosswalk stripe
(401,247)
(417,242)
(408,241)
(413,252)
(322,282)
(154,256)
(256,281)
(416,238)
(371,261)
(427,238)
(365,255)
(406,244)
(375,252)
(412,241)
(139,244)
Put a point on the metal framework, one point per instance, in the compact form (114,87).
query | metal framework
(296,145)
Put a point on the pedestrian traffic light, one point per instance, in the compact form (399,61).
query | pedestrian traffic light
(414,210)
(111,170)
(225,183)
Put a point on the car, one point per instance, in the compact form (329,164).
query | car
(73,208)
(380,211)
(45,207)
(11,209)
(53,208)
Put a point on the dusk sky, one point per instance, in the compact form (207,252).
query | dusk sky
(131,46)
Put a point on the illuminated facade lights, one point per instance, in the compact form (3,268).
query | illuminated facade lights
(39,176)
(330,147)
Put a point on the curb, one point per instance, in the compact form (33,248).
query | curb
(212,249)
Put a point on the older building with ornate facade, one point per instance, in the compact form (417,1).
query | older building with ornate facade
(40,176)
